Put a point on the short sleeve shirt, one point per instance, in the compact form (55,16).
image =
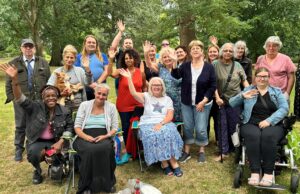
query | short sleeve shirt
(281,66)
(155,109)
(222,72)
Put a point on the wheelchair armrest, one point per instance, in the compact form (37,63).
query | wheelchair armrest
(67,135)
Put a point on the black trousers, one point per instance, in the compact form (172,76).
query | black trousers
(261,145)
(34,152)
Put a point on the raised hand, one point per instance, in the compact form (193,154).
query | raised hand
(146,46)
(125,73)
(10,70)
(121,26)
(112,53)
(250,94)
(213,40)
(173,56)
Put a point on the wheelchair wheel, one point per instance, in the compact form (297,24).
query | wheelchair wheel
(294,182)
(237,182)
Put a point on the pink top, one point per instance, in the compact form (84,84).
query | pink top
(279,69)
(47,133)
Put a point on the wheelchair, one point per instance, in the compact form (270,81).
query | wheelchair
(285,158)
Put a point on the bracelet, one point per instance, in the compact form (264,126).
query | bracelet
(162,122)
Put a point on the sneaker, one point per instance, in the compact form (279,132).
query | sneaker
(37,177)
(184,157)
(19,155)
(201,158)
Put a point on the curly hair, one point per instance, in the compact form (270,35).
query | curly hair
(132,54)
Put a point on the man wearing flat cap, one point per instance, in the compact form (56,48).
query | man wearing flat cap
(33,74)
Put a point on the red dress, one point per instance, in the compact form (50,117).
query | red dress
(125,101)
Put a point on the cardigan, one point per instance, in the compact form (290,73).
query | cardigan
(84,112)
(84,78)
(205,86)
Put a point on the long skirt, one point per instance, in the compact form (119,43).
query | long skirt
(97,164)
(160,145)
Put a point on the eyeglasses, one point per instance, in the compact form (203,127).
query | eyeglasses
(227,51)
(262,77)
(156,85)
(28,46)
(165,44)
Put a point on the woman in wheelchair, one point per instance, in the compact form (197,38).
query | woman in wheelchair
(46,121)
(264,107)
(95,124)
(161,140)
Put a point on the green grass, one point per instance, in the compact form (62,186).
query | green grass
(211,177)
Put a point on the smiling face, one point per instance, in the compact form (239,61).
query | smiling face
(90,45)
(240,51)
(196,52)
(213,54)
(272,49)
(181,54)
(28,50)
(101,95)
(50,98)
(128,44)
(69,59)
(166,59)
(262,78)
(129,60)
(156,88)
(227,52)
(152,53)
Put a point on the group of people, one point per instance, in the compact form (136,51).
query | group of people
(182,84)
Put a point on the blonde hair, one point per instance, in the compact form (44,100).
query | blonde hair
(69,49)
(164,51)
(162,84)
(196,43)
(85,56)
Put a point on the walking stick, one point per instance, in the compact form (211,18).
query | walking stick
(220,135)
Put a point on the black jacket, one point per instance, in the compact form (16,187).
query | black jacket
(41,74)
(37,120)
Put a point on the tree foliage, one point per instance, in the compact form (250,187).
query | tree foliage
(53,24)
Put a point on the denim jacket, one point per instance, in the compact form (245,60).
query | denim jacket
(36,120)
(276,96)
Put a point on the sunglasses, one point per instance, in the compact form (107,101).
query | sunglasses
(165,44)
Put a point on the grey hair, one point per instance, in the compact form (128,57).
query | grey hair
(102,85)
(222,48)
(273,39)
(162,83)
(242,44)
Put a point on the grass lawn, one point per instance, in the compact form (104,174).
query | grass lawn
(211,177)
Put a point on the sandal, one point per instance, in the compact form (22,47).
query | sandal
(178,172)
(265,182)
(168,171)
(253,181)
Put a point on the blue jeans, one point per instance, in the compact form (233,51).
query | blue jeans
(195,120)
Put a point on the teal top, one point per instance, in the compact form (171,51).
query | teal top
(95,121)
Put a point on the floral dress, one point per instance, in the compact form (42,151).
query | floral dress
(173,88)
(162,144)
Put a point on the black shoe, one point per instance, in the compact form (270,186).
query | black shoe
(18,155)
(37,177)
(184,157)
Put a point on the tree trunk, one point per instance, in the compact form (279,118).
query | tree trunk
(187,31)
(56,53)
